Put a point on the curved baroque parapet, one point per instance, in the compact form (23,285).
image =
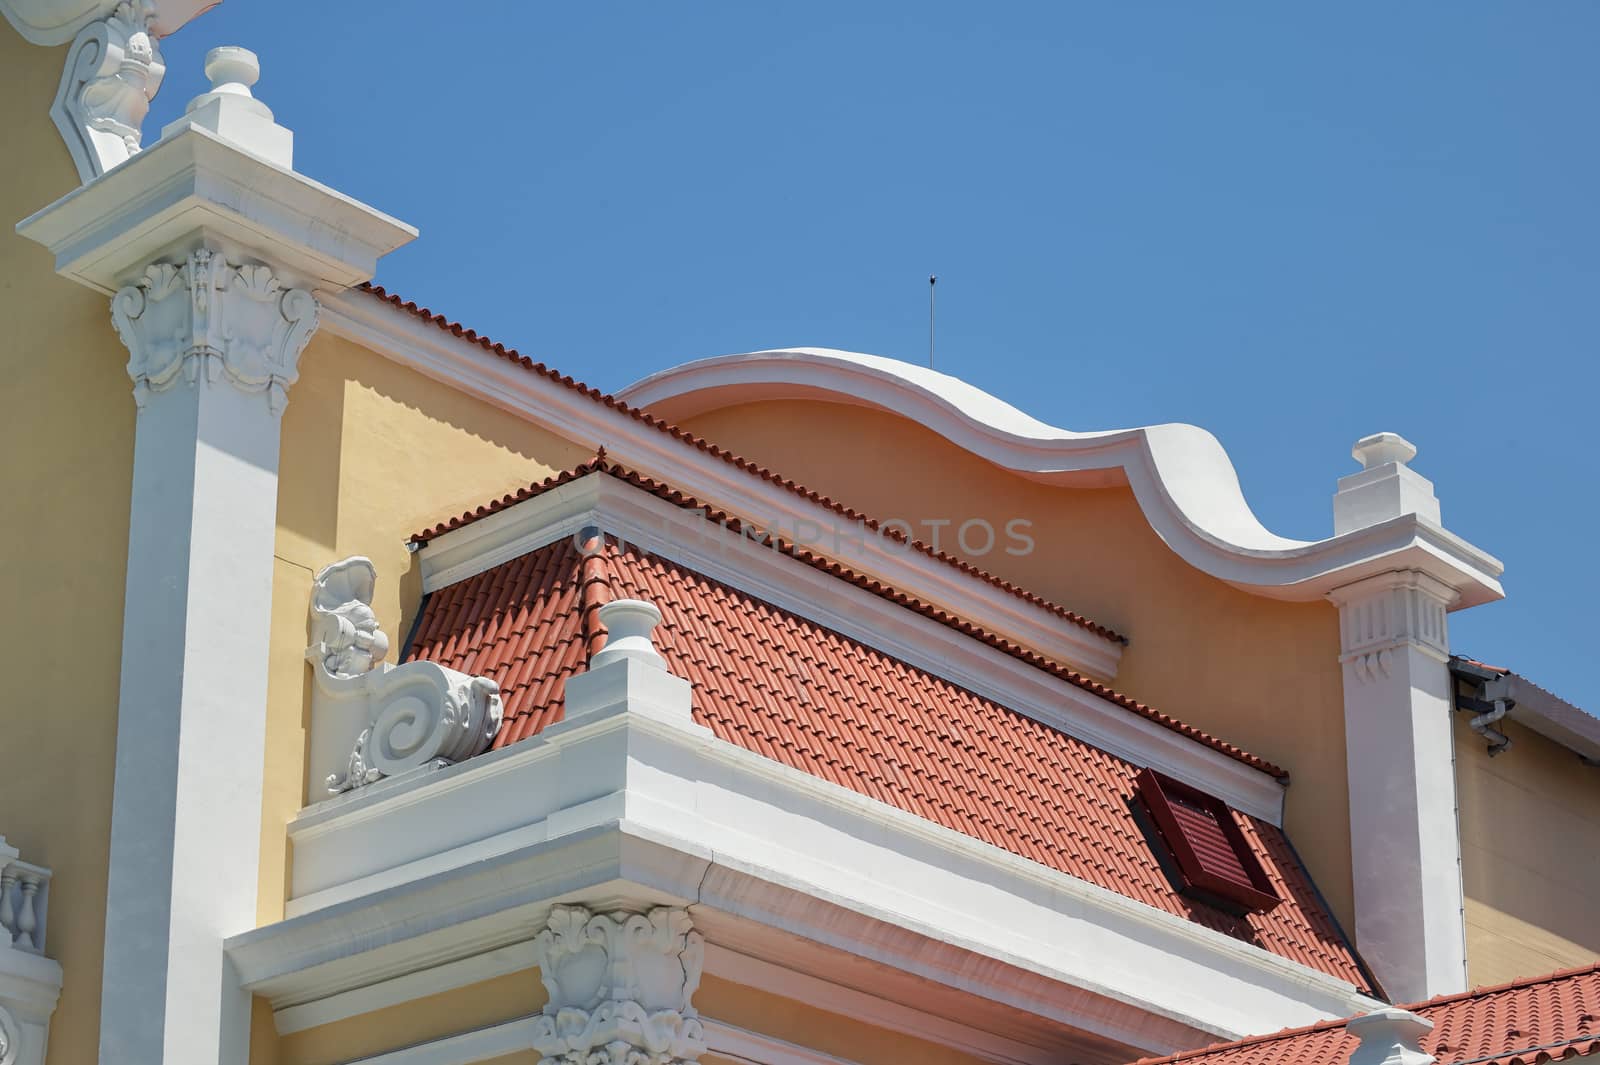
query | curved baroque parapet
(1180,474)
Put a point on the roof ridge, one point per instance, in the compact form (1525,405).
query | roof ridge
(744,464)
(734,524)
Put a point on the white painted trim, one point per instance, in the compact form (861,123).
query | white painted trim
(686,537)
(468,861)
(1181,476)
(465,366)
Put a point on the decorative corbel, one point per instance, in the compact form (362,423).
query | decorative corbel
(369,719)
(113,71)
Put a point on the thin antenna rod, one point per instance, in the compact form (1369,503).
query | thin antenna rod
(932,280)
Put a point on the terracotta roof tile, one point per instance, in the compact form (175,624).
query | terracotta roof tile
(1524,1022)
(803,695)
(600,464)
(701,444)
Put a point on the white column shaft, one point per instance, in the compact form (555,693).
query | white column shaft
(1405,846)
(186,817)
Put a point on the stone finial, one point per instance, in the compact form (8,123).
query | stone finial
(627,675)
(1386,487)
(620,986)
(1390,1037)
(629,624)
(1380,448)
(231,111)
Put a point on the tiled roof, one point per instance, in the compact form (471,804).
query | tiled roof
(1525,1022)
(600,464)
(803,695)
(701,444)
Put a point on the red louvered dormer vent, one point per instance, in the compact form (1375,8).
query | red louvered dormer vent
(1214,861)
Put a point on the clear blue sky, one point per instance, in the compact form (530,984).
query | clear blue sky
(1291,225)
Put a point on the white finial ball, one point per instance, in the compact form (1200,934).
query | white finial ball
(232,69)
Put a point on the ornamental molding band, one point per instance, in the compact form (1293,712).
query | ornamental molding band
(29,982)
(370,719)
(207,320)
(1382,614)
(620,986)
(113,71)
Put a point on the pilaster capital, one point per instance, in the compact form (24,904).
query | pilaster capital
(1384,613)
(620,986)
(206,320)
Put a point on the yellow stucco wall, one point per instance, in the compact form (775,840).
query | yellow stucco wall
(503,998)
(519,994)
(67,442)
(372,452)
(807,1026)
(1258,672)
(1530,855)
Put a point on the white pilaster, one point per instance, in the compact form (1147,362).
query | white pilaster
(215,251)
(1405,848)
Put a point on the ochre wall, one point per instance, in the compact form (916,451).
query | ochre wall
(519,994)
(1530,854)
(503,998)
(67,441)
(1261,673)
(807,1026)
(372,452)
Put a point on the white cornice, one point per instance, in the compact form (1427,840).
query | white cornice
(454,862)
(1180,474)
(105,233)
(466,366)
(686,537)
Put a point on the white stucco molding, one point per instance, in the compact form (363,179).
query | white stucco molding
(371,719)
(205,320)
(619,987)
(1182,478)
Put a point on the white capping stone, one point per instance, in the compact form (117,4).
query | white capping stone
(1386,488)
(232,112)
(1390,1036)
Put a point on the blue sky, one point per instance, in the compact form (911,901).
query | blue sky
(1291,225)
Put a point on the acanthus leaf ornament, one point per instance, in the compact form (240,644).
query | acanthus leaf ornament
(209,319)
(620,987)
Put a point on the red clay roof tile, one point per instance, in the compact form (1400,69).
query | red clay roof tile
(701,444)
(1524,1022)
(808,697)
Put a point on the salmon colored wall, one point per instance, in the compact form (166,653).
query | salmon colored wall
(371,453)
(1261,673)
(807,1026)
(67,442)
(503,998)
(1530,854)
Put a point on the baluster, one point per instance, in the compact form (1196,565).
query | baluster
(28,919)
(8,917)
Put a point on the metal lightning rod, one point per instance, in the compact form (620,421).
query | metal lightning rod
(932,280)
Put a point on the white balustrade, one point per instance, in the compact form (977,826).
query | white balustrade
(24,898)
